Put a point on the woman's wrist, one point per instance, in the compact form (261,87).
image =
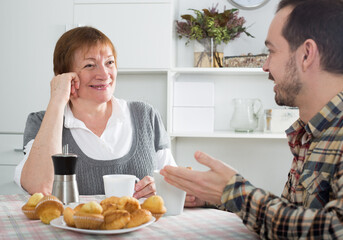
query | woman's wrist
(57,104)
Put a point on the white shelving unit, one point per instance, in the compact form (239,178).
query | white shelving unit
(223,77)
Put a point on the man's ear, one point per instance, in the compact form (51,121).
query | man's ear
(309,53)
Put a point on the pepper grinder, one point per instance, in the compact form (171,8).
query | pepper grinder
(65,185)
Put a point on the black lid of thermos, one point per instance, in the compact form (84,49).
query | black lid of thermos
(64,164)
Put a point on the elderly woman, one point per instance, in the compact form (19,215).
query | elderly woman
(109,135)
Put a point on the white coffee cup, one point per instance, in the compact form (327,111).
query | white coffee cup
(174,198)
(119,185)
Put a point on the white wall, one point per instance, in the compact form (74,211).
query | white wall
(149,88)
(29,31)
(264,162)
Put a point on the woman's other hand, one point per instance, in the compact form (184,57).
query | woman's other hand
(64,86)
(145,188)
(193,201)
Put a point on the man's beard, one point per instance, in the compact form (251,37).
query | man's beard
(289,88)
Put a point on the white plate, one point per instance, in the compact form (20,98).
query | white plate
(59,223)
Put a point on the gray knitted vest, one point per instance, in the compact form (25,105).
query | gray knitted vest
(149,136)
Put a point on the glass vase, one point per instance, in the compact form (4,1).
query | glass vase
(207,53)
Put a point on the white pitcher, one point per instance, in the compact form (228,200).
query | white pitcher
(246,114)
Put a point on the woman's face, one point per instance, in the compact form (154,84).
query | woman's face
(97,72)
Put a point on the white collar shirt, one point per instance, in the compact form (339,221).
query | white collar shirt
(114,143)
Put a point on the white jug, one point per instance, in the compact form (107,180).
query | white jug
(246,114)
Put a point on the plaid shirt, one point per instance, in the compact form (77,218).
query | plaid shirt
(311,205)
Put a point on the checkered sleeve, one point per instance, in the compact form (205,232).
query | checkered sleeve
(276,218)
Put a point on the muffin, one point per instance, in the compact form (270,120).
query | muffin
(110,200)
(110,203)
(89,216)
(49,208)
(109,208)
(29,209)
(78,207)
(139,217)
(88,220)
(129,204)
(68,216)
(91,207)
(155,205)
(115,219)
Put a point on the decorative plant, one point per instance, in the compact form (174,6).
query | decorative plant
(210,23)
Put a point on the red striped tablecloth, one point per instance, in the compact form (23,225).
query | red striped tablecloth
(197,223)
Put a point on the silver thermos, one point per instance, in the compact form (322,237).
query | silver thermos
(65,185)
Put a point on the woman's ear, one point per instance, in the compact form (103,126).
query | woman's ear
(309,52)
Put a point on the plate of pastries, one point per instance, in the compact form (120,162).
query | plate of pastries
(113,215)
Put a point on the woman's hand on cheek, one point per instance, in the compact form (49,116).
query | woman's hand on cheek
(193,201)
(145,188)
(64,86)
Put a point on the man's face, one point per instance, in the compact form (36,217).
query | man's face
(289,87)
(281,63)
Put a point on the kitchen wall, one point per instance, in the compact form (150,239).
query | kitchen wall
(29,32)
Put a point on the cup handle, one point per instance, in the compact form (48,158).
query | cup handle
(137,180)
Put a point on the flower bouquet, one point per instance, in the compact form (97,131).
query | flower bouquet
(210,28)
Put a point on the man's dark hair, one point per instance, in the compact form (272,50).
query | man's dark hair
(321,21)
